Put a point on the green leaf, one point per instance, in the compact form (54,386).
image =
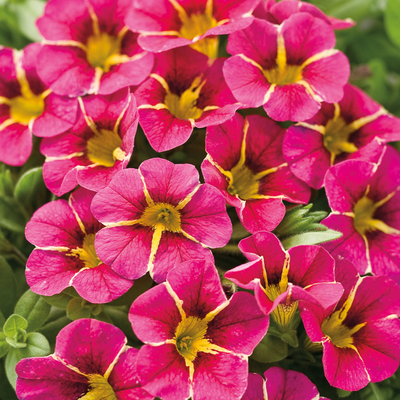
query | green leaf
(11,216)
(392,21)
(343,393)
(30,186)
(4,346)
(270,349)
(51,329)
(6,183)
(311,238)
(32,307)
(37,346)
(13,324)
(2,320)
(77,309)
(60,300)
(8,288)
(291,338)
(15,343)
(27,13)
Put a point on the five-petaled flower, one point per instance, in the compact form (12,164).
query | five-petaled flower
(158,216)
(63,233)
(91,361)
(200,339)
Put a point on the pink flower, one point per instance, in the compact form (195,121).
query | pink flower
(278,12)
(361,335)
(289,68)
(280,279)
(365,199)
(336,133)
(63,233)
(27,105)
(246,164)
(158,216)
(91,361)
(183,92)
(281,385)
(98,146)
(88,49)
(165,24)
(196,341)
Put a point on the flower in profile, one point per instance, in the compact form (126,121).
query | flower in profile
(27,105)
(246,164)
(336,133)
(290,68)
(367,213)
(88,49)
(91,361)
(167,24)
(63,233)
(360,336)
(197,342)
(281,279)
(183,92)
(98,146)
(158,216)
(280,384)
(278,12)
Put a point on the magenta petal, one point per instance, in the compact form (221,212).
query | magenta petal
(205,294)
(96,345)
(169,377)
(343,367)
(47,379)
(17,139)
(219,376)
(254,389)
(245,275)
(97,178)
(327,294)
(240,326)
(100,284)
(154,315)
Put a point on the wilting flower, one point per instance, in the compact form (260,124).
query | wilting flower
(91,361)
(165,24)
(27,105)
(337,132)
(280,279)
(196,341)
(288,68)
(88,49)
(367,213)
(63,233)
(98,146)
(360,337)
(246,164)
(183,92)
(158,216)
(280,384)
(278,12)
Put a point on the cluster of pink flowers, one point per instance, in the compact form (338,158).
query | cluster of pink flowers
(104,67)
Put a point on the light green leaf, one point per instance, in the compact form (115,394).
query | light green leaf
(60,300)
(8,288)
(4,346)
(29,185)
(392,21)
(76,309)
(270,349)
(32,307)
(309,238)
(27,14)
(13,324)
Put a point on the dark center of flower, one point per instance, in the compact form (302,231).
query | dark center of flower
(244,183)
(98,389)
(185,105)
(284,75)
(162,216)
(189,337)
(87,252)
(104,148)
(23,109)
(101,49)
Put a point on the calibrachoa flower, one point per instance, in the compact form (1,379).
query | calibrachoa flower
(196,341)
(65,255)
(91,361)
(158,216)
(280,384)
(166,24)
(98,146)
(367,213)
(339,131)
(280,279)
(88,49)
(246,164)
(361,335)
(183,92)
(278,12)
(288,68)
(27,105)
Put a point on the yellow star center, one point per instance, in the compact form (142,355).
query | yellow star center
(23,108)
(99,388)
(87,252)
(243,183)
(284,74)
(162,216)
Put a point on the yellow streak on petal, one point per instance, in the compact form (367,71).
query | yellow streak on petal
(318,128)
(359,123)
(161,80)
(78,219)
(319,56)
(269,93)
(155,244)
(178,301)
(281,58)
(250,61)
(95,20)
(95,85)
(283,283)
(121,223)
(116,126)
(261,174)
(68,157)
(159,106)
(367,254)
(65,43)
(89,121)
(55,248)
(149,200)
(186,200)
(6,123)
(210,108)
(181,11)
(162,33)
(310,91)
(4,100)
